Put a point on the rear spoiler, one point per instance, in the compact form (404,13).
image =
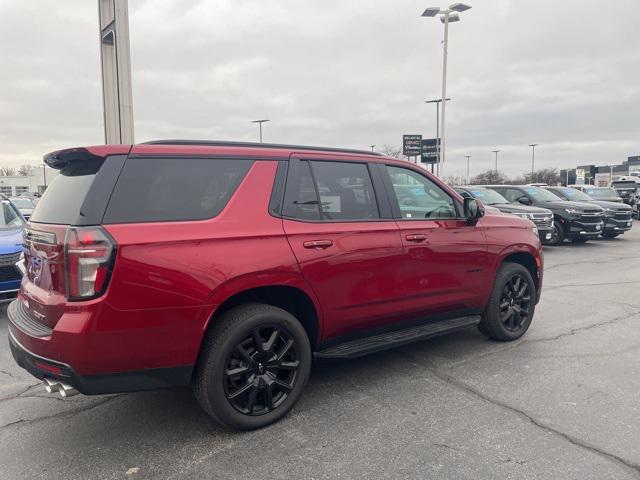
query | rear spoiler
(60,158)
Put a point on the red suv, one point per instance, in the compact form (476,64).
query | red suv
(229,266)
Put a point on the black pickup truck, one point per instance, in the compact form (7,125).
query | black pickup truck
(541,217)
(577,221)
(617,216)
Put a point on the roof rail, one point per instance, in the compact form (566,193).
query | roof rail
(221,143)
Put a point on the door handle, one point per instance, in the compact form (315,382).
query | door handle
(318,244)
(416,237)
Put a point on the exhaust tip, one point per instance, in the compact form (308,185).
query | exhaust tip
(51,386)
(67,390)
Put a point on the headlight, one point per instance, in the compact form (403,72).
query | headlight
(571,211)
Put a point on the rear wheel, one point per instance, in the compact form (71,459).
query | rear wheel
(557,234)
(253,366)
(512,304)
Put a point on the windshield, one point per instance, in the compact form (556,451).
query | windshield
(541,195)
(575,195)
(10,217)
(488,197)
(601,192)
(624,184)
(22,202)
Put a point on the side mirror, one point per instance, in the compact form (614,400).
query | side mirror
(524,200)
(473,210)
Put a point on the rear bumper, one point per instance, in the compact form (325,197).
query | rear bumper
(151,379)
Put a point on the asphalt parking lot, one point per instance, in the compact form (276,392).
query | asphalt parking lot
(561,403)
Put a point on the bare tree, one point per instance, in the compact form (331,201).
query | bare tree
(490,177)
(455,180)
(26,170)
(550,176)
(391,151)
(7,171)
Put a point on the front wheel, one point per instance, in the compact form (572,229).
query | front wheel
(512,304)
(253,366)
(557,235)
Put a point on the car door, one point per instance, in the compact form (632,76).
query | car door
(348,246)
(445,260)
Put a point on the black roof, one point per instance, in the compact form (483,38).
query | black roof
(220,143)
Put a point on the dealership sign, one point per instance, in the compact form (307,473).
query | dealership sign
(411,145)
(430,150)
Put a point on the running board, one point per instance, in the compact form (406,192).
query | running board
(384,341)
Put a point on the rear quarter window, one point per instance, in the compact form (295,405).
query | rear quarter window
(174,189)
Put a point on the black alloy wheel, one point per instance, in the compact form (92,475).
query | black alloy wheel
(261,371)
(515,302)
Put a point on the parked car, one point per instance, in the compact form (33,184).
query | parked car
(605,194)
(542,217)
(627,190)
(617,216)
(577,221)
(24,204)
(11,258)
(269,256)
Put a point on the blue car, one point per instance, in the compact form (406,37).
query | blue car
(11,257)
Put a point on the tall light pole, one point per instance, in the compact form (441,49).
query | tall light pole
(372,147)
(446,15)
(533,158)
(260,122)
(468,178)
(496,152)
(437,101)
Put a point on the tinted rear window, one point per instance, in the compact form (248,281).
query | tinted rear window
(63,198)
(173,189)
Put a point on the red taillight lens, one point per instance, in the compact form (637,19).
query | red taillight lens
(89,254)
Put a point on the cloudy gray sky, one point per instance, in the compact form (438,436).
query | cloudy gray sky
(564,74)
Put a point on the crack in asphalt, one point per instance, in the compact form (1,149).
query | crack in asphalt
(453,381)
(66,413)
(571,332)
(603,284)
(8,374)
(17,395)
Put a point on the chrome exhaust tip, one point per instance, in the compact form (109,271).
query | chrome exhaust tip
(67,390)
(51,386)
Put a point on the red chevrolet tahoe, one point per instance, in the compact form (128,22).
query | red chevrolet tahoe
(230,266)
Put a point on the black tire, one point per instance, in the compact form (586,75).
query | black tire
(610,235)
(557,235)
(242,385)
(506,318)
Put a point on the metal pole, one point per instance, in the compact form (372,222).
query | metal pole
(533,159)
(44,174)
(468,177)
(496,152)
(372,147)
(260,132)
(444,94)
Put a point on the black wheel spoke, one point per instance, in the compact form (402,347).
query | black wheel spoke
(292,365)
(243,354)
(272,340)
(283,385)
(285,349)
(258,340)
(268,396)
(251,400)
(241,370)
(244,389)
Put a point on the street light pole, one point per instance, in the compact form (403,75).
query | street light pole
(446,15)
(533,158)
(372,147)
(260,122)
(437,101)
(496,152)
(468,178)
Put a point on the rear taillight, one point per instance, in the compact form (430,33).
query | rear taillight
(89,255)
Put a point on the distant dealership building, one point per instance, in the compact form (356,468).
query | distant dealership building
(37,182)
(599,175)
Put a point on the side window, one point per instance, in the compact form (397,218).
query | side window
(169,189)
(510,194)
(418,197)
(345,191)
